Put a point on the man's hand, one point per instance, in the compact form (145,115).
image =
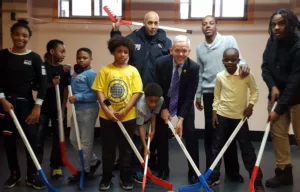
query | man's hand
(56,80)
(116,25)
(215,121)
(244,71)
(198,104)
(273,117)
(179,127)
(72,99)
(34,116)
(165,115)
(7,106)
(248,111)
(275,93)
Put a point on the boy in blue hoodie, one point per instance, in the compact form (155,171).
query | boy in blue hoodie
(87,110)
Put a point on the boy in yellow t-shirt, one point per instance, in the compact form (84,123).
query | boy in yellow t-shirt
(122,85)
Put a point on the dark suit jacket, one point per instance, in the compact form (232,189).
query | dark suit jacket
(188,83)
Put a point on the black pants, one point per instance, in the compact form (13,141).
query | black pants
(230,157)
(22,109)
(223,131)
(191,142)
(111,137)
(55,158)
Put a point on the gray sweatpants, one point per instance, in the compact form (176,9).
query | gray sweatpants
(86,123)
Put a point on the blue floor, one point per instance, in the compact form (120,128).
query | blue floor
(178,174)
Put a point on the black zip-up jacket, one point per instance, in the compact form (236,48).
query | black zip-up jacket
(147,50)
(281,68)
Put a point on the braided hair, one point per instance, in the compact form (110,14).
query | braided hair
(292,23)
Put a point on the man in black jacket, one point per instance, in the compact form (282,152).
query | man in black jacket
(178,77)
(281,72)
(150,43)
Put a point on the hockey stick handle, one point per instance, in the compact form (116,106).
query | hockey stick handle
(184,149)
(107,103)
(147,157)
(59,114)
(75,119)
(127,22)
(264,140)
(25,140)
(232,136)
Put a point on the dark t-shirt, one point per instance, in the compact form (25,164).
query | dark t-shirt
(49,104)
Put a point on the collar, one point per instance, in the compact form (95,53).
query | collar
(175,65)
(217,38)
(236,73)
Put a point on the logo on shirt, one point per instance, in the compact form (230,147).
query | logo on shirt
(137,47)
(81,78)
(117,91)
(43,70)
(27,62)
(160,45)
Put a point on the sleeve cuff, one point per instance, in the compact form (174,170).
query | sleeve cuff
(280,109)
(39,101)
(78,97)
(198,95)
(252,102)
(2,95)
(180,118)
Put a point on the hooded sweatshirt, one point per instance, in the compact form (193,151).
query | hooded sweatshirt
(210,56)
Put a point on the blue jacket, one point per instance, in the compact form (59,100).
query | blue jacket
(147,50)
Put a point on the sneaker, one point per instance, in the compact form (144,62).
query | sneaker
(138,177)
(213,180)
(126,185)
(104,185)
(34,181)
(12,181)
(93,168)
(55,173)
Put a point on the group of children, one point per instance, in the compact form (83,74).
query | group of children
(136,108)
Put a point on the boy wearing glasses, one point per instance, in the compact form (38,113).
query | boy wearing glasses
(230,106)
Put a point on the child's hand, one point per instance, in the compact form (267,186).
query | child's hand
(215,121)
(151,135)
(146,152)
(72,99)
(248,111)
(110,115)
(56,80)
(120,114)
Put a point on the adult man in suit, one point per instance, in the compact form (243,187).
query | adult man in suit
(178,76)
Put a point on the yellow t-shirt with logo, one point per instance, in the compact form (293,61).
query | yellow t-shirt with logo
(118,84)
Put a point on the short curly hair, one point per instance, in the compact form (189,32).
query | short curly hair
(153,89)
(118,41)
